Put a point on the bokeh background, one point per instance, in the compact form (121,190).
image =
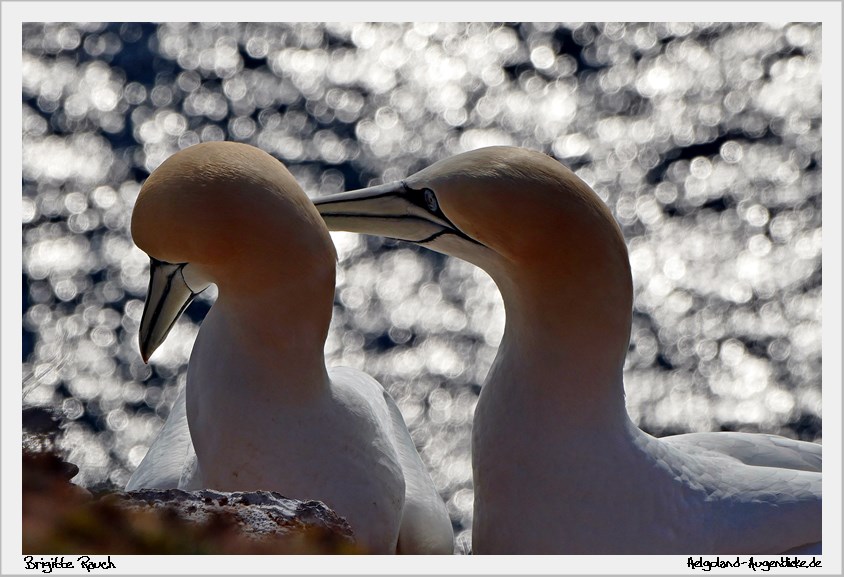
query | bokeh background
(703,139)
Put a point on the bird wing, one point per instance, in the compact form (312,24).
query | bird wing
(771,486)
(425,525)
(170,454)
(758,450)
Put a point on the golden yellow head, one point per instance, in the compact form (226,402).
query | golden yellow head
(214,203)
(229,214)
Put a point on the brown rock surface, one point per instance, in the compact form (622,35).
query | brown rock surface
(60,517)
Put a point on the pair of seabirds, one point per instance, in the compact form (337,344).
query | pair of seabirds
(558,465)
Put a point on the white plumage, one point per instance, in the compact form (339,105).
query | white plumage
(260,411)
(558,465)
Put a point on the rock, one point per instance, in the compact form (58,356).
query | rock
(60,517)
(262,516)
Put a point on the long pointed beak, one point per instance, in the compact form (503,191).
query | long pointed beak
(393,210)
(168,296)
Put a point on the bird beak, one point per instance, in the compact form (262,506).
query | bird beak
(393,210)
(168,296)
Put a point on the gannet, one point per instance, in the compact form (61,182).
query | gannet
(558,466)
(259,410)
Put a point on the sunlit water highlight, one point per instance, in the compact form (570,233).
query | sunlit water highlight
(704,140)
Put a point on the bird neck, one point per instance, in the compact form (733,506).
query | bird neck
(280,335)
(564,341)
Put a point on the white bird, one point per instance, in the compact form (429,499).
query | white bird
(260,411)
(558,465)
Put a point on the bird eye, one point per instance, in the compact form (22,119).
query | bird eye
(431,200)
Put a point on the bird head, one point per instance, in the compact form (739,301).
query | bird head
(224,213)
